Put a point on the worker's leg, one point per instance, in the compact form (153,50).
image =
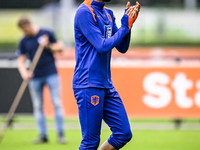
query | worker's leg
(36,92)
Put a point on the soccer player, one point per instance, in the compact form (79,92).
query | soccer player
(96,34)
(44,74)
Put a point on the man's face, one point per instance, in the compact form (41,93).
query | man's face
(27,29)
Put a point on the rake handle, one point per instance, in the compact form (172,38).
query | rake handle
(20,93)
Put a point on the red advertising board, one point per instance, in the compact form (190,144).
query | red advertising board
(147,92)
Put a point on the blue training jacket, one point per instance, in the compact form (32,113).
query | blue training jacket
(96,34)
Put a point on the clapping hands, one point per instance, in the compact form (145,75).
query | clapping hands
(133,10)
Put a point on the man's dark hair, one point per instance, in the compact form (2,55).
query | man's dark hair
(24,20)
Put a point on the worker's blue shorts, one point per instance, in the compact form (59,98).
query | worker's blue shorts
(95,104)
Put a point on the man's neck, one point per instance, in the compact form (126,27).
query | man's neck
(34,32)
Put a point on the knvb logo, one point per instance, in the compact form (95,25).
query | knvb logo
(109,17)
(95,100)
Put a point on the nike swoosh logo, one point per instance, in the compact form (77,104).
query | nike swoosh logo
(98,16)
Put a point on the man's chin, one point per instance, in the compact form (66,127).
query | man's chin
(106,0)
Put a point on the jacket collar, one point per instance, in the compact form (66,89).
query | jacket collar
(98,5)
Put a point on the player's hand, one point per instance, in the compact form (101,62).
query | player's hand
(128,5)
(137,7)
(128,10)
(134,10)
(44,41)
(131,12)
(27,75)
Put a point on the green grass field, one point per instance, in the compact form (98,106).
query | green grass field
(142,140)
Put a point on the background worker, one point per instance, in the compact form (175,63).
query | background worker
(44,74)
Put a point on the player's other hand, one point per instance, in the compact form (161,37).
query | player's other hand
(44,41)
(26,75)
(137,7)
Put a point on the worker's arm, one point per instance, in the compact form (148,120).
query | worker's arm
(53,45)
(56,47)
(25,74)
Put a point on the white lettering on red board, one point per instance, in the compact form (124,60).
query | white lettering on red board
(158,94)
(181,85)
